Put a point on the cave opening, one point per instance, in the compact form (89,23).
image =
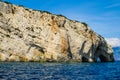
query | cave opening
(102,58)
(98,59)
(84,59)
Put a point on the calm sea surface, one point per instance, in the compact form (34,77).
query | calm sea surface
(59,71)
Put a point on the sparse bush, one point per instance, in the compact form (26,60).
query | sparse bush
(1,14)
(85,24)
(7,35)
(37,10)
(43,11)
(27,9)
(7,2)
(77,21)
(20,5)
(61,15)
(13,11)
(46,12)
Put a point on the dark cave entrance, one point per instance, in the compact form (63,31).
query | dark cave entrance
(102,58)
(100,55)
(84,59)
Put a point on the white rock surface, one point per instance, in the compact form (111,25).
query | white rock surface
(29,35)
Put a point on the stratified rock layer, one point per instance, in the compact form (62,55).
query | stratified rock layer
(29,35)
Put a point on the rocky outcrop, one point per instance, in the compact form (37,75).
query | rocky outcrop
(29,35)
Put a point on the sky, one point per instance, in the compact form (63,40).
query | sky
(103,16)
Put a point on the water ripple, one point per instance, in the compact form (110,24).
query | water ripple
(59,71)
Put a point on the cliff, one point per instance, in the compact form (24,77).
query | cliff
(29,35)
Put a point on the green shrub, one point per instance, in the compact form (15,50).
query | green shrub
(42,11)
(46,12)
(77,21)
(85,24)
(61,15)
(27,9)
(1,14)
(20,5)
(7,2)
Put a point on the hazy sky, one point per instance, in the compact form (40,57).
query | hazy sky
(103,16)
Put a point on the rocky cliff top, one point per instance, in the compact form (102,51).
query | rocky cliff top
(30,35)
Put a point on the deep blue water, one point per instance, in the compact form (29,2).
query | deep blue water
(59,71)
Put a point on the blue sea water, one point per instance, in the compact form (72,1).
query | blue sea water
(59,71)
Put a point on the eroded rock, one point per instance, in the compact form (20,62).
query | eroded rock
(29,35)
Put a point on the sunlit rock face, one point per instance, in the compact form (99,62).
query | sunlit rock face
(29,35)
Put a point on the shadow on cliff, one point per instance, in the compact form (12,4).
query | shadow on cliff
(96,54)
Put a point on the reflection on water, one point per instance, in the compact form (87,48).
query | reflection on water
(62,71)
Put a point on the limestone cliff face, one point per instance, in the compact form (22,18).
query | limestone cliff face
(29,35)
